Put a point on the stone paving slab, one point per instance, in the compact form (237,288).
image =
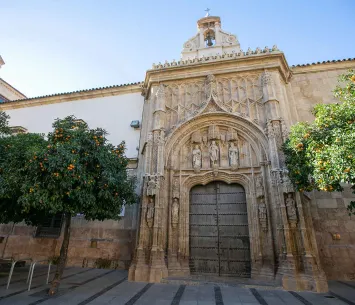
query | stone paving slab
(82,286)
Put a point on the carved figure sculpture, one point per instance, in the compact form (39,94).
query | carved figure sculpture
(259,187)
(262,209)
(196,157)
(286,182)
(211,87)
(176,188)
(291,208)
(175,212)
(262,215)
(152,186)
(214,153)
(150,211)
(233,154)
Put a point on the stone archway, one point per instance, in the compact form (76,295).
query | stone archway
(179,239)
(219,233)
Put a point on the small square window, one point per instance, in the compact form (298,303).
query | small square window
(51,227)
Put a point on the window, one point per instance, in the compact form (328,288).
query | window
(51,227)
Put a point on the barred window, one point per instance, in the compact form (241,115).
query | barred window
(51,227)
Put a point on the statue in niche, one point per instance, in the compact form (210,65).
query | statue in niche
(211,87)
(233,154)
(259,187)
(262,214)
(291,208)
(196,157)
(152,187)
(150,210)
(214,153)
(262,209)
(176,191)
(175,212)
(286,182)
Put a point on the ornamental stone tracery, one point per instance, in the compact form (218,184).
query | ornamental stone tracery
(238,95)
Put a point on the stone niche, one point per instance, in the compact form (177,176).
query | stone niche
(215,146)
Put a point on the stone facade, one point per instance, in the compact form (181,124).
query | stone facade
(223,116)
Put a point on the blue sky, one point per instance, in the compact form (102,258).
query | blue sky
(53,46)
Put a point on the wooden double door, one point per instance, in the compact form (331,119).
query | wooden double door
(219,234)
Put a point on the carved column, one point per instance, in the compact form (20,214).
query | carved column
(150,264)
(296,264)
(158,268)
(275,131)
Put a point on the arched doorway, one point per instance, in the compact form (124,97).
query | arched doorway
(219,234)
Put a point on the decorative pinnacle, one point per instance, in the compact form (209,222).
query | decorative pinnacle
(208,12)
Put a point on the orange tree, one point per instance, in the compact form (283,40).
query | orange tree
(15,152)
(77,171)
(321,155)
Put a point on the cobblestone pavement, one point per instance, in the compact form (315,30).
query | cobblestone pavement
(81,286)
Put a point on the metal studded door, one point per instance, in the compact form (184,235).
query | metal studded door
(219,235)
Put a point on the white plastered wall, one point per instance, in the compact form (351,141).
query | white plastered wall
(113,113)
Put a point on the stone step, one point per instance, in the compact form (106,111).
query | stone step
(221,281)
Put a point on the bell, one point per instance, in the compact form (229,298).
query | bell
(209,40)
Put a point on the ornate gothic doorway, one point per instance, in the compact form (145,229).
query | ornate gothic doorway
(219,234)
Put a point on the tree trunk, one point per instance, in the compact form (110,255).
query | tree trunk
(63,256)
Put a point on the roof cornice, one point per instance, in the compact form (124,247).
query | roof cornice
(324,66)
(72,96)
(12,89)
(217,65)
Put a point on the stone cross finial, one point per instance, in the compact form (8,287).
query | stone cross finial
(208,12)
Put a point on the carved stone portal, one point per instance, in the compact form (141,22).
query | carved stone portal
(219,147)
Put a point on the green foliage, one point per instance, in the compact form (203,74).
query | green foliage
(15,152)
(78,172)
(75,170)
(4,124)
(321,155)
(103,263)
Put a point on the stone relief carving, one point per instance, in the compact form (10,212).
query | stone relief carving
(176,188)
(196,137)
(192,44)
(214,154)
(269,130)
(152,186)
(196,158)
(213,132)
(233,154)
(266,78)
(211,87)
(259,187)
(276,177)
(262,213)
(286,182)
(150,137)
(150,212)
(175,213)
(291,209)
(240,95)
(232,135)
